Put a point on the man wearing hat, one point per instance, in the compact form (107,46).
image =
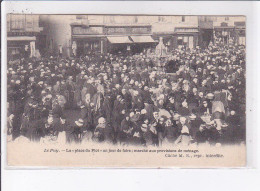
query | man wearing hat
(75,131)
(103,131)
(170,133)
(126,129)
(184,139)
(69,92)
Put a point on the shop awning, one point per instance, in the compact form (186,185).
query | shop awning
(119,39)
(21,38)
(142,39)
(224,27)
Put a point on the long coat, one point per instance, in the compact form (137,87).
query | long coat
(107,107)
(104,134)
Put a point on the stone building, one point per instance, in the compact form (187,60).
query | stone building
(177,31)
(23,35)
(222,29)
(83,34)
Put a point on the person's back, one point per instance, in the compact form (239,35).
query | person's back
(170,133)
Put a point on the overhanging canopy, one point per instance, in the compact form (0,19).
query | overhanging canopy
(119,39)
(142,39)
(21,38)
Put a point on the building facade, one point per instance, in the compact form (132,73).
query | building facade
(83,34)
(222,29)
(177,31)
(23,33)
(113,38)
(56,34)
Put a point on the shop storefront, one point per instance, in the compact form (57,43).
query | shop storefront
(241,37)
(185,37)
(129,38)
(224,34)
(21,46)
(22,36)
(166,38)
(240,28)
(110,38)
(87,39)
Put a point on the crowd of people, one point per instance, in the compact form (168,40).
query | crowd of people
(186,97)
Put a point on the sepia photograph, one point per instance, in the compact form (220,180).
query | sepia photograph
(107,90)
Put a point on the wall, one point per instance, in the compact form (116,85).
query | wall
(23,23)
(58,32)
(230,20)
(167,24)
(57,28)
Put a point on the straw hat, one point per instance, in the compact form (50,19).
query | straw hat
(210,96)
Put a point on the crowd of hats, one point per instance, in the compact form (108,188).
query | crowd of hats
(198,94)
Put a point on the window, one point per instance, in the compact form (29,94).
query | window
(112,19)
(185,39)
(29,21)
(17,22)
(161,19)
(226,18)
(109,19)
(180,40)
(242,40)
(136,19)
(207,19)
(8,23)
(183,18)
(81,17)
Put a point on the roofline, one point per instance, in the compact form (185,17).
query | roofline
(104,35)
(111,25)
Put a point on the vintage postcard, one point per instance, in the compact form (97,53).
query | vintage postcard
(142,91)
